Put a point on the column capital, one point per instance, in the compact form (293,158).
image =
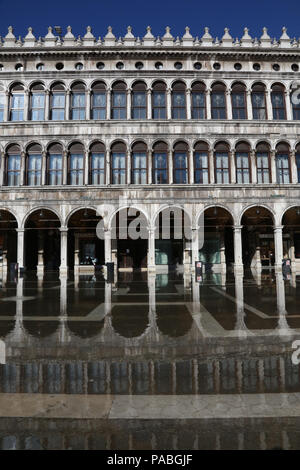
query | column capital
(237,227)
(63,229)
(20,230)
(278,228)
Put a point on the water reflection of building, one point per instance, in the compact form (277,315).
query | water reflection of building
(158,318)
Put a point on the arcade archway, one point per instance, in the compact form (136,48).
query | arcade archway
(85,249)
(258,238)
(42,241)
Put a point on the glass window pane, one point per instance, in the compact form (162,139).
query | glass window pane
(218,100)
(119,99)
(178,99)
(99,100)
(58,100)
(198,99)
(159,99)
(139,98)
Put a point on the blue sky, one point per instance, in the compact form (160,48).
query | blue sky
(217,14)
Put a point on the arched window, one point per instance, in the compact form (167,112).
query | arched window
(278,101)
(2,103)
(258,98)
(242,163)
(298,162)
(139,101)
(139,163)
(218,101)
(160,163)
(55,165)
(17,103)
(282,158)
(263,163)
(159,100)
(222,163)
(37,102)
(57,102)
(180,163)
(118,101)
(201,171)
(238,100)
(78,102)
(198,101)
(295,99)
(118,163)
(76,164)
(34,165)
(13,166)
(178,101)
(97,163)
(99,101)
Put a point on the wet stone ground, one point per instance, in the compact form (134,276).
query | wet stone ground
(150,362)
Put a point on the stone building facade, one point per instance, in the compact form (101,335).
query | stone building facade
(204,125)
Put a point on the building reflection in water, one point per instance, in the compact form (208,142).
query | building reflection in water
(160,334)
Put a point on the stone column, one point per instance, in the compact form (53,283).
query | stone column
(232,167)
(249,105)
(240,312)
(107,246)
(238,253)
(88,105)
(273,167)
(20,247)
(152,303)
(190,157)
(149,156)
(294,173)
(128,176)
(128,96)
(107,168)
(228,105)
(108,104)
(188,104)
(44,168)
(67,110)
(195,246)
(22,169)
(40,265)
(253,167)
(269,105)
(26,105)
(47,105)
(2,168)
(211,166)
(281,308)
(151,249)
(169,104)
(208,103)
(65,166)
(149,104)
(63,269)
(6,116)
(288,105)
(86,167)
(170,166)
(278,247)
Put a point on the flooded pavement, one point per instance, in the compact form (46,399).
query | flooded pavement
(150,362)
